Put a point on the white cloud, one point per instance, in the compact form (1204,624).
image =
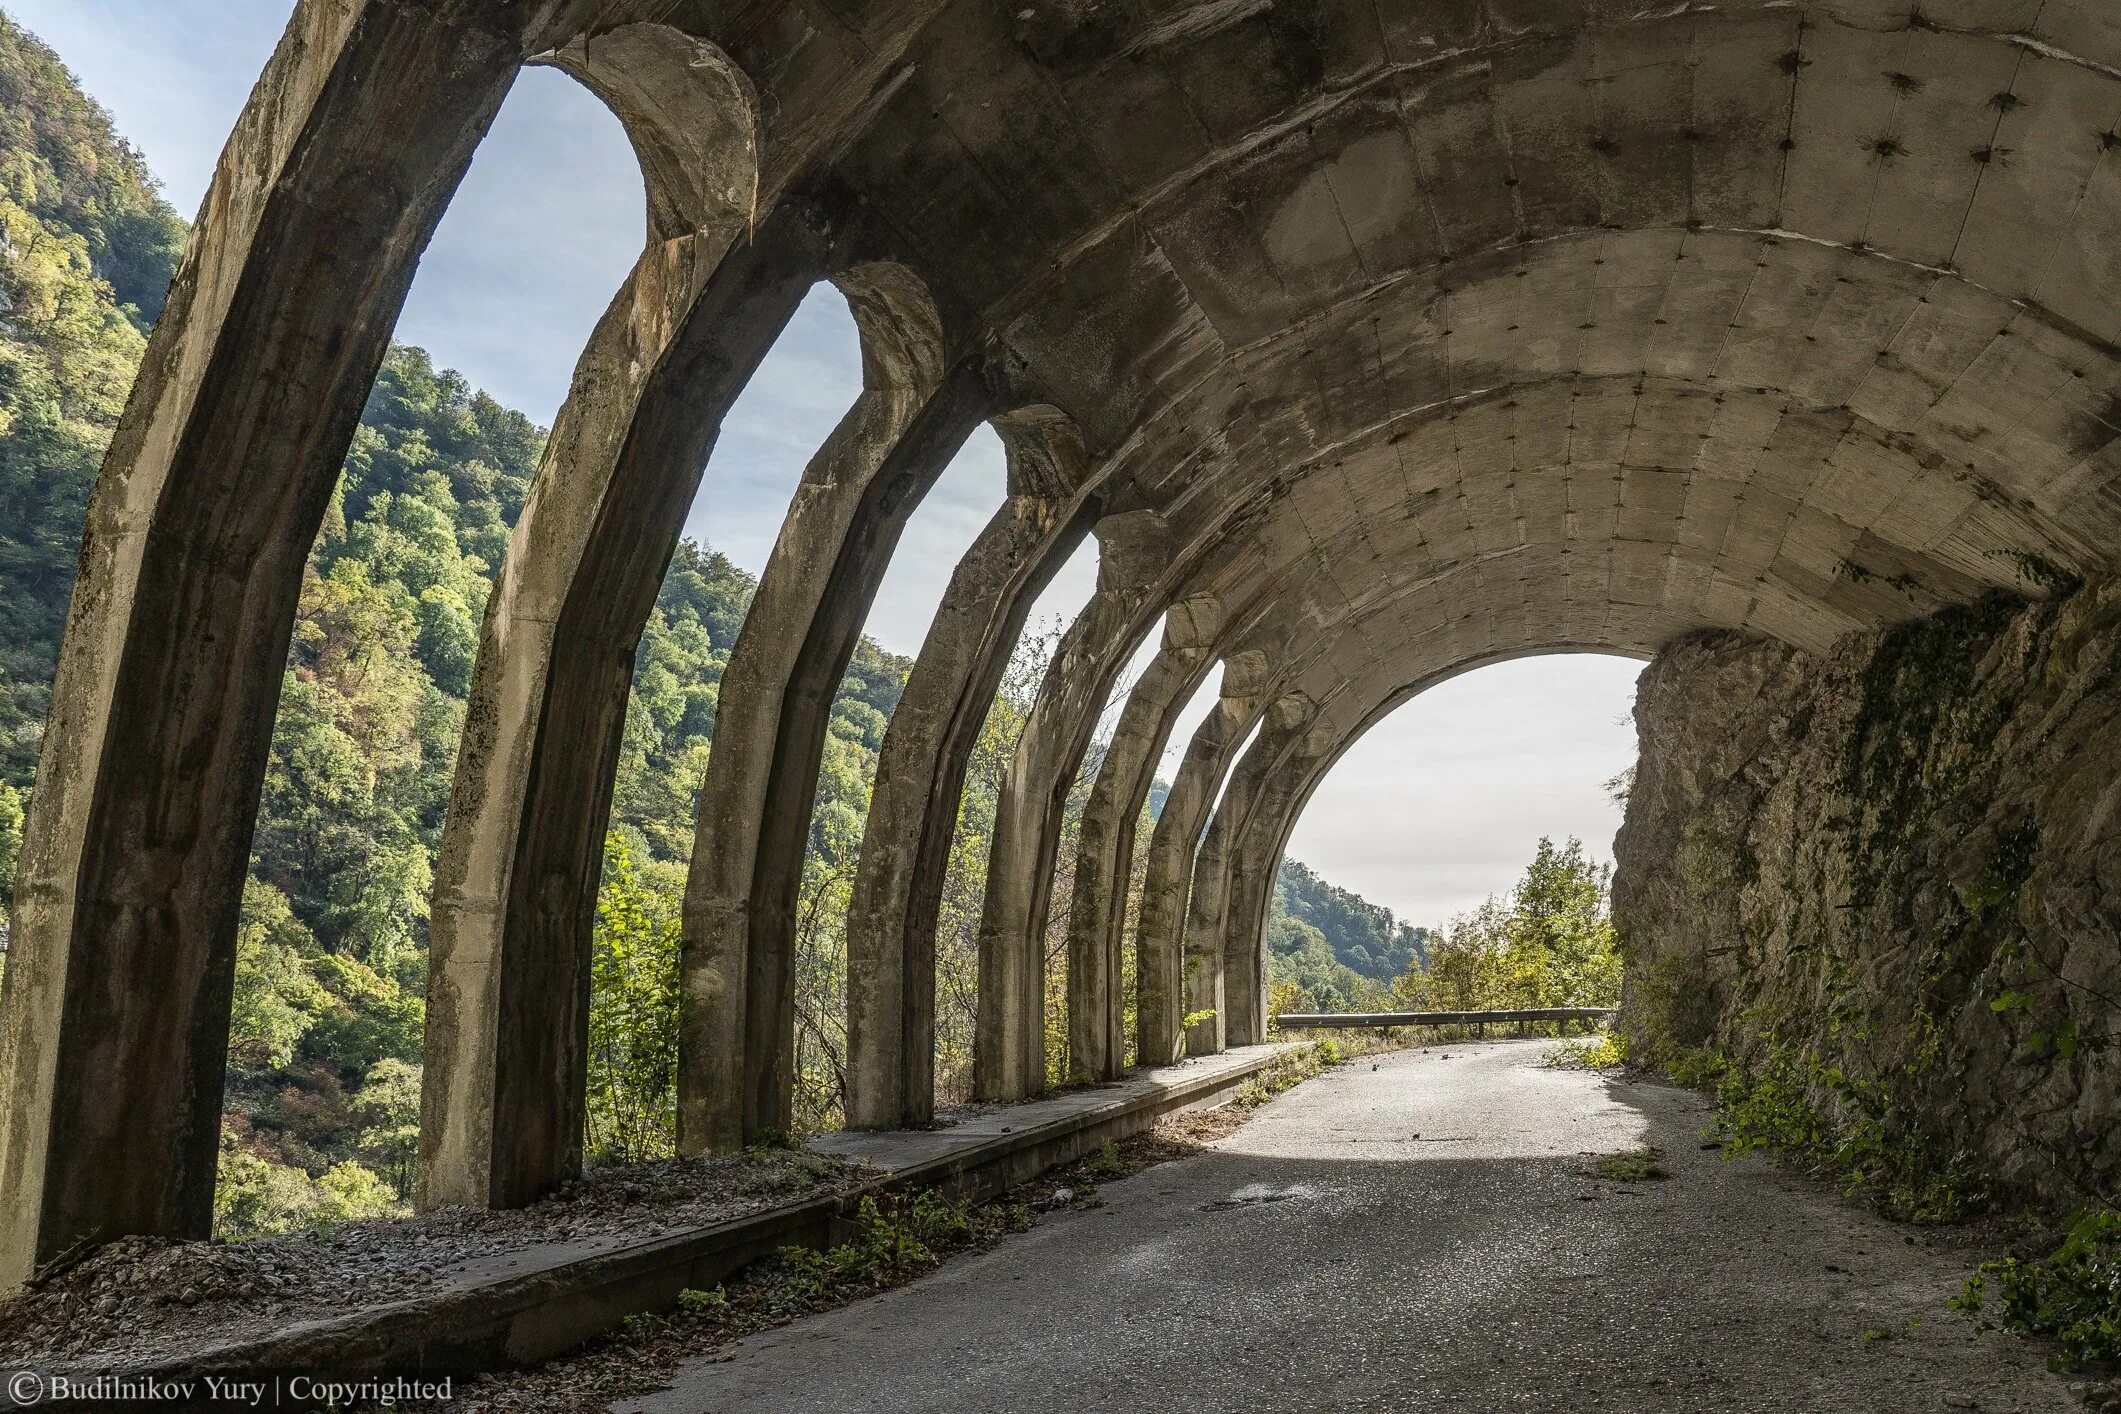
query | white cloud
(1443,802)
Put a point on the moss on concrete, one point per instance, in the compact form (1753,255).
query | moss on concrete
(1872,893)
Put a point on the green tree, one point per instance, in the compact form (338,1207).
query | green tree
(1363,936)
(1561,918)
(633,1016)
(1549,942)
(389,1106)
(10,846)
(277,995)
(1299,956)
(254,1196)
(89,251)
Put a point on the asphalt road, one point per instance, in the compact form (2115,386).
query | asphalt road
(1418,1231)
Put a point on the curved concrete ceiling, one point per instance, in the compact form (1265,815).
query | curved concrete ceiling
(1792,318)
(1824,293)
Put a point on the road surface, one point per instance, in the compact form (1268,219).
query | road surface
(1415,1231)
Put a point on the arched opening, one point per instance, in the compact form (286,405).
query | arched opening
(1090,1004)
(803,387)
(935,538)
(1188,720)
(964,892)
(1418,839)
(801,390)
(322,1112)
(1155,993)
(1775,344)
(921,882)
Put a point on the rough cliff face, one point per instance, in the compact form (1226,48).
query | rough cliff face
(1891,877)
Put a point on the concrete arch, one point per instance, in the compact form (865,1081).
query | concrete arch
(1163,998)
(1324,538)
(1932,363)
(1458,135)
(1839,567)
(921,766)
(1257,827)
(1841,524)
(917,406)
(1098,904)
(1009,1055)
(691,114)
(1456,327)
(1298,776)
(522,845)
(1138,568)
(330,186)
(1216,991)
(1313,589)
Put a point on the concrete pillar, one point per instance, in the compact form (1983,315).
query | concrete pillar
(1161,1001)
(776,703)
(1208,909)
(522,849)
(114,1024)
(1009,1052)
(1250,892)
(1104,858)
(921,769)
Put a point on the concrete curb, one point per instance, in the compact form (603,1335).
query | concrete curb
(496,1320)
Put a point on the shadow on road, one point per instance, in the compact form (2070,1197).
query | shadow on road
(1420,1230)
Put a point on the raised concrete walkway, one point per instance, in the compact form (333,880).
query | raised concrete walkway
(527,1304)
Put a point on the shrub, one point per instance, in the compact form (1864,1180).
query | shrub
(1605,1051)
(2073,1295)
(1772,1106)
(1635,1166)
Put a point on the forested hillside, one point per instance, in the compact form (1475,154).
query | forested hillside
(331,968)
(1364,936)
(86,254)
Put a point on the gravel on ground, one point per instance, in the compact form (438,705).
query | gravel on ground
(141,1300)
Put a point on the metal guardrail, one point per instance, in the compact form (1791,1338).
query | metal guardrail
(1385,1020)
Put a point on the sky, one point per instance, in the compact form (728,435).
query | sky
(1439,806)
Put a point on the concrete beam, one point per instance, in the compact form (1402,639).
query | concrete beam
(1162,999)
(522,849)
(1097,1039)
(1208,908)
(1250,891)
(1009,1061)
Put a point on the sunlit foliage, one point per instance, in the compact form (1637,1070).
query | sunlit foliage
(1548,942)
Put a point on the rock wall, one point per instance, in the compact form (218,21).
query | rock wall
(1893,874)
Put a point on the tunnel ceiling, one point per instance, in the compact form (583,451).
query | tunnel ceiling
(1784,317)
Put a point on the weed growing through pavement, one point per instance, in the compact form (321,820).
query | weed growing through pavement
(1635,1166)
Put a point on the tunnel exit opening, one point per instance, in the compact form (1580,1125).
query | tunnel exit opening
(1457,855)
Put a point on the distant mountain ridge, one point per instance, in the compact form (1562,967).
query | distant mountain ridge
(89,250)
(1343,951)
